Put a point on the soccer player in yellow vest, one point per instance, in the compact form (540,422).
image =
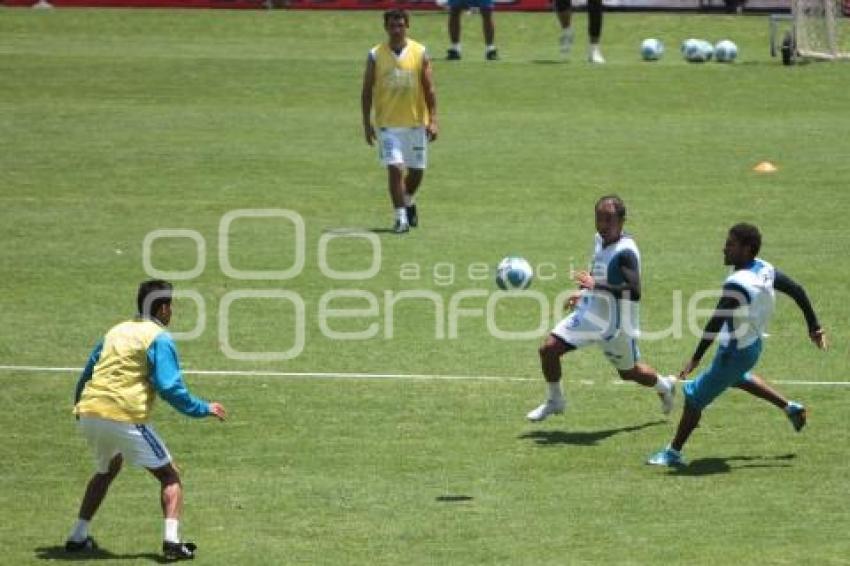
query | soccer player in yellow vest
(399,84)
(134,362)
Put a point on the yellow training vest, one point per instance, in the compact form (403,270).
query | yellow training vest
(120,388)
(398,97)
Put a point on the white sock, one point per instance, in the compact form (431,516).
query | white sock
(490,48)
(456,47)
(594,47)
(555,391)
(662,385)
(80,531)
(172,530)
(401,215)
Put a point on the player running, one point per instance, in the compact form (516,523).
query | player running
(605,315)
(741,316)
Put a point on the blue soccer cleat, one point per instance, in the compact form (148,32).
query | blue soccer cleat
(667,457)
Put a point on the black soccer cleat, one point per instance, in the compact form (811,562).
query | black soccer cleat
(492,55)
(86,545)
(178,550)
(453,55)
(412,217)
(797,414)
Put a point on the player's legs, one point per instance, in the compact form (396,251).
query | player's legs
(171,499)
(392,143)
(550,357)
(564,13)
(489,28)
(594,30)
(411,185)
(104,440)
(395,182)
(757,386)
(687,423)
(622,351)
(594,20)
(171,490)
(97,488)
(550,363)
(641,373)
(455,12)
(415,155)
(728,369)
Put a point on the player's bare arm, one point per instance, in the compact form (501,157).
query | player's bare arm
(430,93)
(366,101)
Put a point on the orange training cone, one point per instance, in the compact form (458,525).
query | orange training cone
(765,167)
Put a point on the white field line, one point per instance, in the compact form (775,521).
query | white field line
(399,376)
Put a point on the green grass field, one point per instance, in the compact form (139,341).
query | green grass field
(118,123)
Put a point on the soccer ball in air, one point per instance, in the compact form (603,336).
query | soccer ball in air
(651,49)
(514,273)
(725,51)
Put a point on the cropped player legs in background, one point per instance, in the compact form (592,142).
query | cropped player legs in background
(456,9)
(563,10)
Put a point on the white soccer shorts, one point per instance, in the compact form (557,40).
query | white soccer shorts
(403,146)
(579,330)
(137,443)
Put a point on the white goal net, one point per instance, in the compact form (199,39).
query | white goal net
(822,31)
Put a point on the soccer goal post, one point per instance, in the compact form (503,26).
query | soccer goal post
(821,29)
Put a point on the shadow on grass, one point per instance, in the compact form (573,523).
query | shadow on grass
(453,498)
(561,61)
(356,231)
(58,553)
(588,438)
(709,466)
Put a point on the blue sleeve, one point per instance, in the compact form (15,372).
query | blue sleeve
(167,378)
(88,370)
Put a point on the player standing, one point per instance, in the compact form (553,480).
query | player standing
(456,8)
(398,80)
(114,397)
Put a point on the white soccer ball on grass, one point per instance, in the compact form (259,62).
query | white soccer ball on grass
(651,49)
(725,51)
(697,50)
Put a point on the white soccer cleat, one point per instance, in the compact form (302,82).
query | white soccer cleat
(667,396)
(550,407)
(595,56)
(566,41)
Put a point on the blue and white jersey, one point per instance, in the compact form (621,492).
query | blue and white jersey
(754,285)
(601,306)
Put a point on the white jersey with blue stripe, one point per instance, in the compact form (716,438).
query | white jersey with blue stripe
(749,321)
(618,314)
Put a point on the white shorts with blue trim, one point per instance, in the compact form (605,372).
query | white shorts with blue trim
(137,443)
(579,330)
(403,146)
